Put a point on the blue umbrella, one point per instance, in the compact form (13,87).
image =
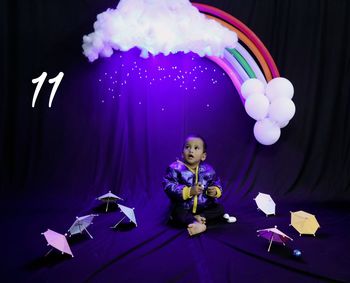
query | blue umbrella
(81,223)
(128,212)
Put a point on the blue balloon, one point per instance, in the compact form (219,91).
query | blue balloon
(297,253)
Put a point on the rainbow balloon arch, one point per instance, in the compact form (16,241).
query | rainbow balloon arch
(265,95)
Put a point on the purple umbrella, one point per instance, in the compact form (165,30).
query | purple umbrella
(274,235)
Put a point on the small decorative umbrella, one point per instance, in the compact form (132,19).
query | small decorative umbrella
(274,235)
(303,222)
(128,212)
(81,223)
(109,197)
(265,203)
(57,241)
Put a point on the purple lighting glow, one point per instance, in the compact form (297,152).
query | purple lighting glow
(169,75)
(174,100)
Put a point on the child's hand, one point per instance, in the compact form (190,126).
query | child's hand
(196,189)
(211,191)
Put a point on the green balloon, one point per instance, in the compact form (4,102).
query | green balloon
(242,61)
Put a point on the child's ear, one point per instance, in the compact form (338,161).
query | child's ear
(204,156)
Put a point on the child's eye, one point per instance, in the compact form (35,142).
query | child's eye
(196,147)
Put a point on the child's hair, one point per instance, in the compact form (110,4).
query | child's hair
(198,137)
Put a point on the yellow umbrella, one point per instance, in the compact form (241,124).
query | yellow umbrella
(304,223)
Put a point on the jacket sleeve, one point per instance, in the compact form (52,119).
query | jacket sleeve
(215,182)
(174,190)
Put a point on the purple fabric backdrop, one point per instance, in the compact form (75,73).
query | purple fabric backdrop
(54,162)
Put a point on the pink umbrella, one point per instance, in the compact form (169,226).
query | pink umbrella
(274,235)
(57,241)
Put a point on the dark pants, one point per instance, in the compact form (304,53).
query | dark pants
(212,214)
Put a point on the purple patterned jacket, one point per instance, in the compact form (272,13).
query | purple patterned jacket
(179,179)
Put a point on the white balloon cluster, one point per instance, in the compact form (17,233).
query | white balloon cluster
(271,106)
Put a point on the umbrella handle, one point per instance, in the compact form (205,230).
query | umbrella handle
(49,252)
(270,243)
(107,205)
(118,222)
(88,233)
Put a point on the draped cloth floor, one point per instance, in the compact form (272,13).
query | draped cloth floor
(154,251)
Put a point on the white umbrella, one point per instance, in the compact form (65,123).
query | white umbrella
(108,198)
(128,212)
(57,241)
(265,203)
(81,223)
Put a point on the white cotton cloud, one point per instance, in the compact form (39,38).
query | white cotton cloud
(156,26)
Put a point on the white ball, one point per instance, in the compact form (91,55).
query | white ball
(251,86)
(266,131)
(281,110)
(279,87)
(257,106)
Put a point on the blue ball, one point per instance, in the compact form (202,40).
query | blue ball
(297,253)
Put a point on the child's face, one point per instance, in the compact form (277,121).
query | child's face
(193,151)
